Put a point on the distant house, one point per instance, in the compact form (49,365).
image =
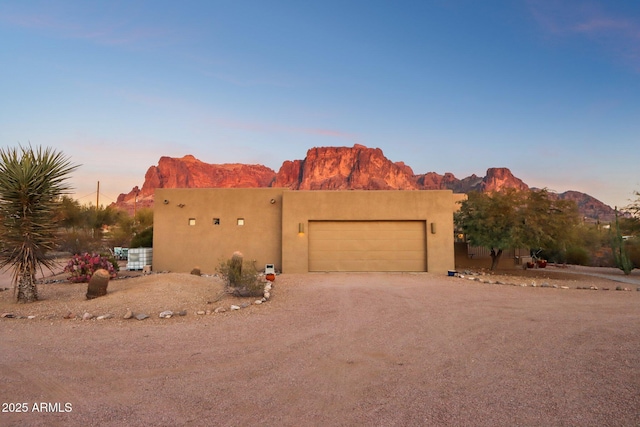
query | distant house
(304,231)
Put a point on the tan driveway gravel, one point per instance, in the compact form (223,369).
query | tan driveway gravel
(326,350)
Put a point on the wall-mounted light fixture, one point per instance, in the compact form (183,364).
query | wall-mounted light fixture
(272,201)
(181,205)
(300,228)
(433,228)
(166,202)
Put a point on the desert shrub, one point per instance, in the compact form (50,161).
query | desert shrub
(578,256)
(77,242)
(241,278)
(144,239)
(633,249)
(554,255)
(82,266)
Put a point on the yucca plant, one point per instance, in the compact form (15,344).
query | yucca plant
(32,180)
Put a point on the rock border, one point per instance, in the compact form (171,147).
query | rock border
(478,277)
(165,314)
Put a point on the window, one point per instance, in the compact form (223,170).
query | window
(240,221)
(192,221)
(216,221)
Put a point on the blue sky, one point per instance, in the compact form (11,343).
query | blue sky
(547,88)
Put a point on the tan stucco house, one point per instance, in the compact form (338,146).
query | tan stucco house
(304,231)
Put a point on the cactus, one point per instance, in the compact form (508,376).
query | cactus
(98,284)
(620,255)
(240,279)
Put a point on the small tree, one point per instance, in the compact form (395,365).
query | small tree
(515,219)
(31,184)
(489,220)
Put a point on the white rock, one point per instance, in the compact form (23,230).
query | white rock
(200,313)
(259,301)
(31,317)
(104,317)
(166,314)
(267,295)
(235,307)
(87,316)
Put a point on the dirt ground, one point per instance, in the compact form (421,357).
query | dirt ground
(385,349)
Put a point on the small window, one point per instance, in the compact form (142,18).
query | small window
(216,221)
(192,221)
(240,221)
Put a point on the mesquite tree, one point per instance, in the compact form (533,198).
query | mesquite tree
(31,184)
(516,219)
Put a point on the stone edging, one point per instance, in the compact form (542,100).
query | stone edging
(166,314)
(478,277)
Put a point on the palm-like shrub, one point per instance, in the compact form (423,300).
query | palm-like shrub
(31,184)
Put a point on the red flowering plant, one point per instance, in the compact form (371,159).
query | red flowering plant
(82,266)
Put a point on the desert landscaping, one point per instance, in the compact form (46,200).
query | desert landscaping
(328,349)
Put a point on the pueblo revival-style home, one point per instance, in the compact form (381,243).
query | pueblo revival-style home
(304,231)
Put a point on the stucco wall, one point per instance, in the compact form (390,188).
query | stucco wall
(270,233)
(178,246)
(434,207)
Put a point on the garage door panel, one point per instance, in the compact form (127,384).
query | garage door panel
(367,246)
(373,245)
(363,265)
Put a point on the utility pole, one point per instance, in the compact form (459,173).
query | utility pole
(98,197)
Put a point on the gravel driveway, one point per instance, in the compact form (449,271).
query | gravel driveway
(341,350)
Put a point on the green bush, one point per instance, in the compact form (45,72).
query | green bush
(633,249)
(554,255)
(144,239)
(578,256)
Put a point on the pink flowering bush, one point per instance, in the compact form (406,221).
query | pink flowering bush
(81,267)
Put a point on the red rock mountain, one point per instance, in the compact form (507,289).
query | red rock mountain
(327,168)
(189,172)
(344,168)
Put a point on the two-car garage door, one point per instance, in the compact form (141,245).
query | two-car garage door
(367,246)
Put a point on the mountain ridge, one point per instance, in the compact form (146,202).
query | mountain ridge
(331,168)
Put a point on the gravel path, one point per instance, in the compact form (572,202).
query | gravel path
(341,350)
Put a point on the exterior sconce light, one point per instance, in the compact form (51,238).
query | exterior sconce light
(272,201)
(166,202)
(433,228)
(300,228)
(181,205)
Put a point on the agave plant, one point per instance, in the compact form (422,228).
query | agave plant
(31,184)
